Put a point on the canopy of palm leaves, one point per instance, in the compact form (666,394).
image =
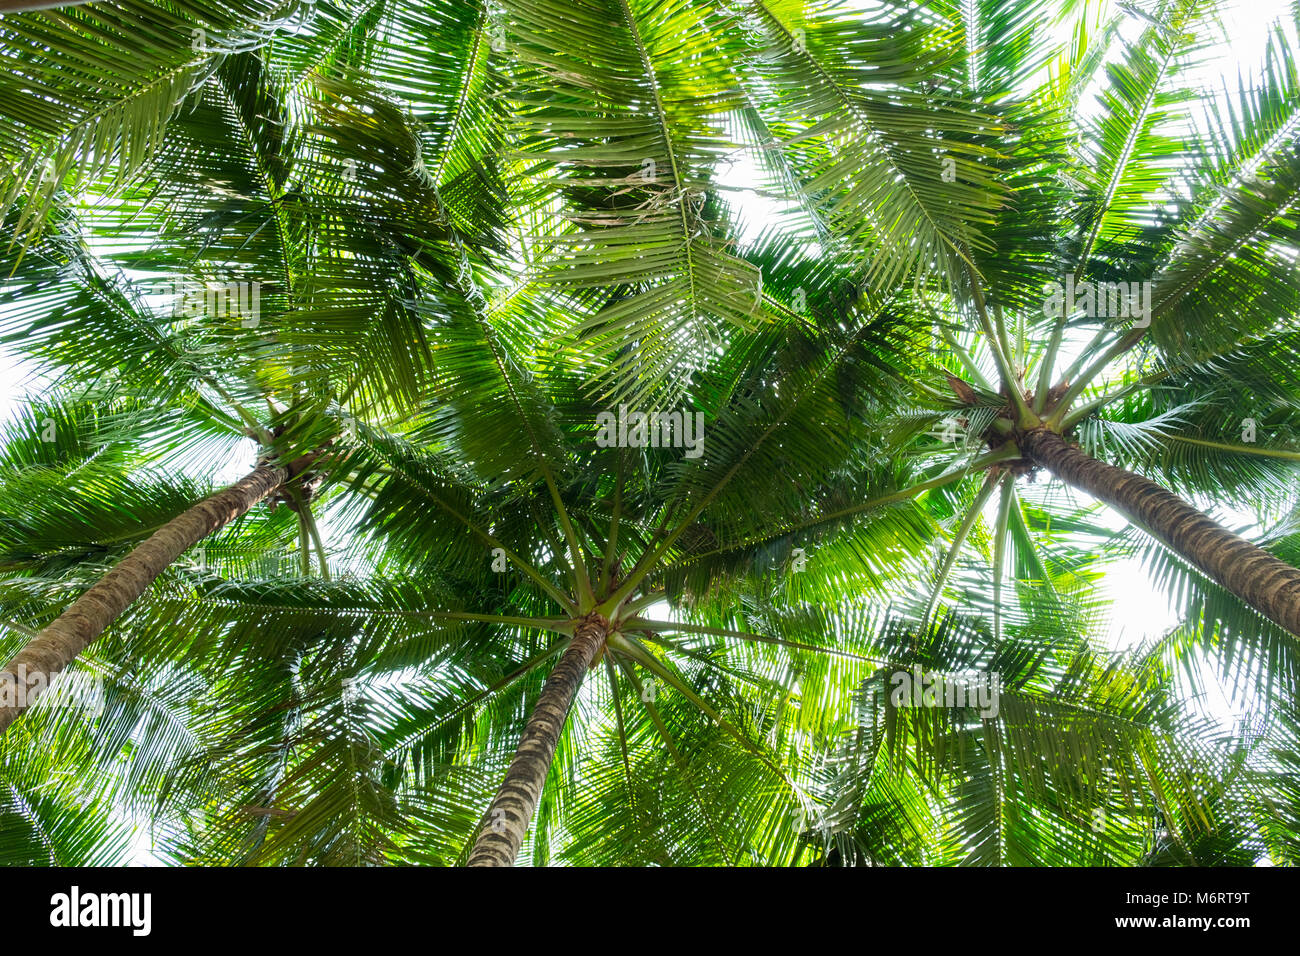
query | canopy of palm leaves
(476,227)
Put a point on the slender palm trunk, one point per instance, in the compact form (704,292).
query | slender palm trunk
(1270,586)
(50,651)
(508,817)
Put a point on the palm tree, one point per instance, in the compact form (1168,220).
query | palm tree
(30,671)
(428,195)
(1208,251)
(217,234)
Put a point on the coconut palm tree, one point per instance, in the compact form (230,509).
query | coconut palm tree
(252,243)
(478,235)
(1170,255)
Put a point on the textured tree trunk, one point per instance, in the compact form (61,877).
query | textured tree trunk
(50,651)
(508,817)
(1270,586)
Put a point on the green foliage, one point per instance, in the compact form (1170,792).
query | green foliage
(474,228)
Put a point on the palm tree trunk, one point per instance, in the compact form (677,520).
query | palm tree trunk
(510,813)
(1270,586)
(55,647)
